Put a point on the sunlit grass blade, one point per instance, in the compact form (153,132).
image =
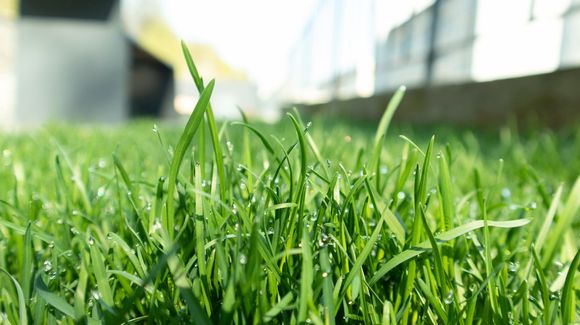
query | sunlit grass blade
(22,314)
(223,186)
(565,219)
(182,145)
(569,293)
(99,271)
(382,130)
(443,237)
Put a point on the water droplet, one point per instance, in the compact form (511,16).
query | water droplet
(384,170)
(101,191)
(51,244)
(533,205)
(324,274)
(243,259)
(513,207)
(401,195)
(52,275)
(347,138)
(155,129)
(47,265)
(230,146)
(449,298)
(506,193)
(91,241)
(513,266)
(74,231)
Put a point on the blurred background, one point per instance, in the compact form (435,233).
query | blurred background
(465,62)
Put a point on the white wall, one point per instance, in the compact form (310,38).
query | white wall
(7,78)
(70,70)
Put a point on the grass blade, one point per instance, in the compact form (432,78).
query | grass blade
(184,141)
(22,314)
(569,293)
(443,237)
(53,299)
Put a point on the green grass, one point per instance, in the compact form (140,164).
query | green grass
(324,222)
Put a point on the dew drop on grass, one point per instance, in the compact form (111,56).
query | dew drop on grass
(513,266)
(533,205)
(155,129)
(449,298)
(243,259)
(74,231)
(91,241)
(51,245)
(401,195)
(506,193)
(384,170)
(47,265)
(230,146)
(52,275)
(101,191)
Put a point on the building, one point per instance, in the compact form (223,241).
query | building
(428,45)
(73,61)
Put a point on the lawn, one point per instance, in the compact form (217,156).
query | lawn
(318,222)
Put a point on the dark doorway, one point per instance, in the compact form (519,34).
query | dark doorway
(151,84)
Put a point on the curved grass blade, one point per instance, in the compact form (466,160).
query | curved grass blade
(182,145)
(382,129)
(210,121)
(23,316)
(53,299)
(563,223)
(568,293)
(443,237)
